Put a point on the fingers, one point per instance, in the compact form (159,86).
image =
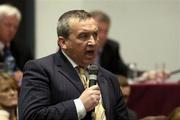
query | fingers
(94,87)
(90,97)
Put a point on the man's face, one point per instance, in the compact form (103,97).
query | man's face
(8,28)
(81,45)
(8,95)
(103,29)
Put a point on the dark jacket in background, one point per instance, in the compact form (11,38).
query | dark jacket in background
(21,53)
(111,60)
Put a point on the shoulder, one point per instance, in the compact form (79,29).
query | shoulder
(4,115)
(44,61)
(112,43)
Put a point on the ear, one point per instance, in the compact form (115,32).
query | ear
(62,43)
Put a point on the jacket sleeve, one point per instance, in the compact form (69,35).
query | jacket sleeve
(35,97)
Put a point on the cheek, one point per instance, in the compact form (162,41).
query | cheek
(4,99)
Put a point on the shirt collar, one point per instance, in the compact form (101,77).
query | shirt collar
(70,60)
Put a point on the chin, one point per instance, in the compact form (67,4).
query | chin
(12,105)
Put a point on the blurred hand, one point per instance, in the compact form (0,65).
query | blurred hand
(18,76)
(154,77)
(163,75)
(90,97)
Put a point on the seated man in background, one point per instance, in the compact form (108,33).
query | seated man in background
(10,18)
(108,55)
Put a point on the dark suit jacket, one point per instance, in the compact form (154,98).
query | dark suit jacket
(21,53)
(51,84)
(111,60)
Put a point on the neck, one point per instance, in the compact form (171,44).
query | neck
(12,112)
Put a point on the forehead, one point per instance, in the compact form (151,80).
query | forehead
(12,19)
(103,25)
(77,25)
(6,84)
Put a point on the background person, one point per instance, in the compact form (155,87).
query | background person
(109,57)
(175,114)
(51,87)
(10,18)
(8,97)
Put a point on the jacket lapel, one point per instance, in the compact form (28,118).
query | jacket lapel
(66,69)
(104,93)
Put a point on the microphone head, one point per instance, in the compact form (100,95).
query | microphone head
(93,72)
(93,69)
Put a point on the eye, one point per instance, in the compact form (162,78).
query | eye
(95,34)
(84,36)
(6,89)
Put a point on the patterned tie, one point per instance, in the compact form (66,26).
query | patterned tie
(100,111)
(83,77)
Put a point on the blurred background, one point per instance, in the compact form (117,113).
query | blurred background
(147,30)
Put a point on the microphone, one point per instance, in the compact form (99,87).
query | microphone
(93,72)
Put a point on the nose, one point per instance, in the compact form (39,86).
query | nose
(12,92)
(92,41)
(12,29)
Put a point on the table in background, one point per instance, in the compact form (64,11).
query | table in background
(154,99)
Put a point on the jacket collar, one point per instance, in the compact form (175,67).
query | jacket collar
(65,67)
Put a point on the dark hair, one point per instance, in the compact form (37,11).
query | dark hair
(4,77)
(100,16)
(63,28)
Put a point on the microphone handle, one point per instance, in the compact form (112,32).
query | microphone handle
(92,82)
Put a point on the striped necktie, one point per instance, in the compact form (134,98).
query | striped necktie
(100,111)
(83,77)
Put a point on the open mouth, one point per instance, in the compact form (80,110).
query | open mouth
(90,53)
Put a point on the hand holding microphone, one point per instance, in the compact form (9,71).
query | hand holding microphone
(91,96)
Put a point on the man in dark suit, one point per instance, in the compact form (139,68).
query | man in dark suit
(109,56)
(51,87)
(10,18)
